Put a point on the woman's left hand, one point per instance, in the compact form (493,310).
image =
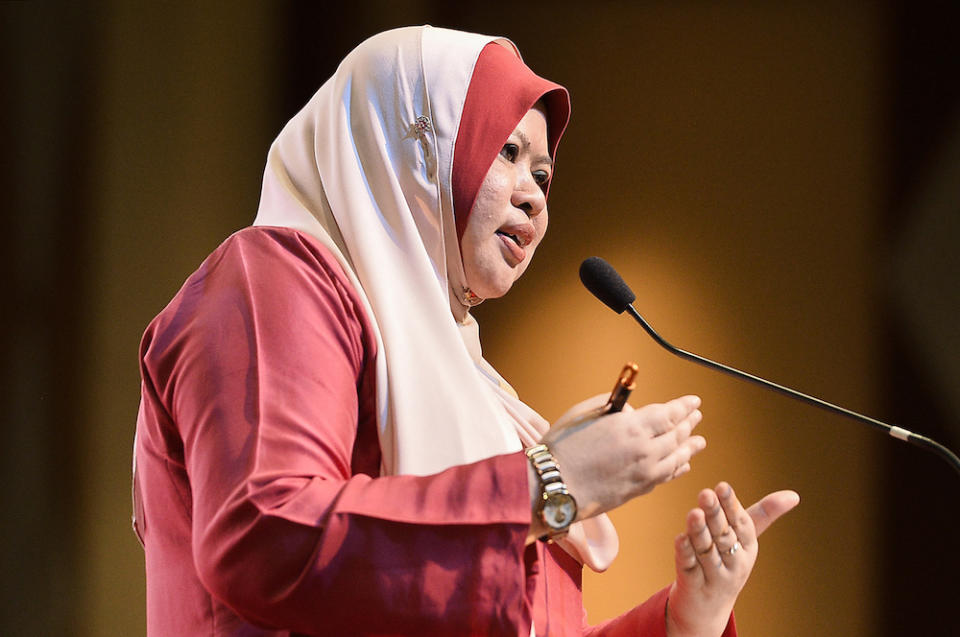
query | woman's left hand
(714,558)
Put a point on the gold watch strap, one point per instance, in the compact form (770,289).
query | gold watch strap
(551,483)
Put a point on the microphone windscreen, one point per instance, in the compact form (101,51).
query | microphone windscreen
(604,283)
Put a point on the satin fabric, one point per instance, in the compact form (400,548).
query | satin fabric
(258,490)
(262,507)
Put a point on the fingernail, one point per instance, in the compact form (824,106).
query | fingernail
(724,490)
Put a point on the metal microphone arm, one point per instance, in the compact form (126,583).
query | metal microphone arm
(896,432)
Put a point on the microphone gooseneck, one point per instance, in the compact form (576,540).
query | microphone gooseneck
(607,285)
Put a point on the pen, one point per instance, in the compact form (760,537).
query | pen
(626,383)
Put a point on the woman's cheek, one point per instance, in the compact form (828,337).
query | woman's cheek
(540,223)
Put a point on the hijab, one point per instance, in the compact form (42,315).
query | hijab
(382,167)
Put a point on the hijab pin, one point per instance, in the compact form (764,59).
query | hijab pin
(421,125)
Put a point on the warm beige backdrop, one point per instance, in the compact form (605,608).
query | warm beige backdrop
(725,164)
(724,156)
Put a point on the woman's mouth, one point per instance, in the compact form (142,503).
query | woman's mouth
(514,245)
(516,237)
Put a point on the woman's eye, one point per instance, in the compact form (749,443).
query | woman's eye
(542,178)
(510,152)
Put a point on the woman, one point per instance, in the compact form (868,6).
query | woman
(322,450)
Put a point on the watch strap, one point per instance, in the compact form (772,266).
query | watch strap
(551,484)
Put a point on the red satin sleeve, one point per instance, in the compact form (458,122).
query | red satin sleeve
(258,462)
(647,619)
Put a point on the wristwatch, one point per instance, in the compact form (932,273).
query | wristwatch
(556,506)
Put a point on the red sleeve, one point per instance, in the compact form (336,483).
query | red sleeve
(649,619)
(259,361)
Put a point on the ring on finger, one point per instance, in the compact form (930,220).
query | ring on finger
(733,549)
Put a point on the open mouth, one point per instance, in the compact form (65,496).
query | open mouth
(512,237)
(513,244)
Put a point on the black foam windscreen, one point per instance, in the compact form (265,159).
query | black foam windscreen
(604,283)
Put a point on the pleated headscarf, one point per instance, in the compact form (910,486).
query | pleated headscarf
(382,166)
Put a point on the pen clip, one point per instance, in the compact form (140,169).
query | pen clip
(626,383)
(628,376)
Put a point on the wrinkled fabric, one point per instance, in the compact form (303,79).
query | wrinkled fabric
(262,508)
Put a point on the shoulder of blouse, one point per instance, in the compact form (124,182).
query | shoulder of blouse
(291,269)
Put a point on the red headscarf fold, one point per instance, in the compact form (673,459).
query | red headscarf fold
(502,90)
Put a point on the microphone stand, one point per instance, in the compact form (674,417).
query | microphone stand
(897,432)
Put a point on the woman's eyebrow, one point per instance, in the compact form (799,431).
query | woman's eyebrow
(542,159)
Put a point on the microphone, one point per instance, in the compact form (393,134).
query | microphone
(606,284)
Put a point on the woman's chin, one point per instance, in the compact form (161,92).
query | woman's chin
(492,278)
(490,292)
(493,288)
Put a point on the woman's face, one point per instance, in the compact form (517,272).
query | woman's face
(509,216)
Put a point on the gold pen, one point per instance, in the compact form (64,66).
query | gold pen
(626,383)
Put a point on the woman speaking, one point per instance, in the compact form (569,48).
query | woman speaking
(321,447)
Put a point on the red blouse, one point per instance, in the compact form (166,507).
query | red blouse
(257,491)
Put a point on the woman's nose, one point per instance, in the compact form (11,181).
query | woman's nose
(528,196)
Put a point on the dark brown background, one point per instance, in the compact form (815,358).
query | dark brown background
(778,182)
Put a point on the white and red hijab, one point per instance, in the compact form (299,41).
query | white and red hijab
(382,166)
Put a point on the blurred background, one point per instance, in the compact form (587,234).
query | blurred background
(778,182)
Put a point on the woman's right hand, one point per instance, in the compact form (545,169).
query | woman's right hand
(607,460)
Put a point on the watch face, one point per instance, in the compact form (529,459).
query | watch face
(559,510)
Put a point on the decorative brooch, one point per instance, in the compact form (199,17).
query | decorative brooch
(421,125)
